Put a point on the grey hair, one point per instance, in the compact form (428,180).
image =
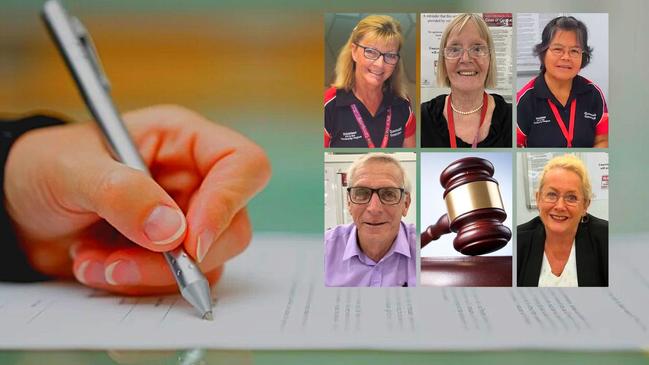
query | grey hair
(377,157)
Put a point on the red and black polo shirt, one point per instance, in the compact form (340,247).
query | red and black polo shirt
(538,126)
(342,130)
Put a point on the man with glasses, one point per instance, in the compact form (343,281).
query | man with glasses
(378,249)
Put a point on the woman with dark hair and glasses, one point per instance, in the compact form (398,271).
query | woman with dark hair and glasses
(468,116)
(559,108)
(367,105)
(564,246)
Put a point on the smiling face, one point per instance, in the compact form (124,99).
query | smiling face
(467,73)
(560,218)
(562,67)
(376,222)
(373,73)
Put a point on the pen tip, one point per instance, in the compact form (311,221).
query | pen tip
(208,316)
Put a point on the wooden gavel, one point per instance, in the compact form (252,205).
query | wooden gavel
(474,208)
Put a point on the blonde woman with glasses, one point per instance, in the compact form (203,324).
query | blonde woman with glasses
(468,116)
(367,105)
(564,246)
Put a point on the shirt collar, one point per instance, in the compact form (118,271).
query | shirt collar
(400,245)
(351,247)
(579,86)
(346,98)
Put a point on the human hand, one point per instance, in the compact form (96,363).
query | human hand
(79,212)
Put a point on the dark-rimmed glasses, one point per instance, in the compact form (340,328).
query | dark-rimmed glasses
(374,54)
(363,195)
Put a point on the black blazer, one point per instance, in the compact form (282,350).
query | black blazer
(14,264)
(592,252)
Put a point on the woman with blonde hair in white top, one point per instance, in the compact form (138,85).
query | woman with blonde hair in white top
(563,245)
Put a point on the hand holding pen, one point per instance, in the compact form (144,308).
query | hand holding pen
(79,212)
(189,186)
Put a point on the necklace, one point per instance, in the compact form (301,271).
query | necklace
(469,112)
(451,122)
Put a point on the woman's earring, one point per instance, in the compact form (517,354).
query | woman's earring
(584,219)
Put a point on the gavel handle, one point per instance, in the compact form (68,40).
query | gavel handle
(435,231)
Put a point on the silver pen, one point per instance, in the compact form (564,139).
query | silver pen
(75,44)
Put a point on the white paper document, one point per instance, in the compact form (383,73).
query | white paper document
(273,297)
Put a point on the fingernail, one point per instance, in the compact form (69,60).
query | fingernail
(90,272)
(122,272)
(204,243)
(165,225)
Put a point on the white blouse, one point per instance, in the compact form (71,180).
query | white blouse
(568,277)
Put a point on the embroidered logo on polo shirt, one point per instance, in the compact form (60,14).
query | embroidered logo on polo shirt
(588,115)
(396,132)
(540,120)
(350,136)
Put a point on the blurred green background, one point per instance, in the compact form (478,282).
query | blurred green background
(258,67)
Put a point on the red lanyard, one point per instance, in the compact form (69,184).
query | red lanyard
(571,131)
(366,133)
(451,123)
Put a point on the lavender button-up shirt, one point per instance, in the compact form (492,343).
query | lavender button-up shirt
(347,265)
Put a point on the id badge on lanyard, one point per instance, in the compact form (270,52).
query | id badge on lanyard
(366,133)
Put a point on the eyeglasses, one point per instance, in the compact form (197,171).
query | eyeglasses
(374,54)
(553,197)
(387,196)
(477,51)
(574,52)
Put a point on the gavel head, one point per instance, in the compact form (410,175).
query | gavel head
(475,208)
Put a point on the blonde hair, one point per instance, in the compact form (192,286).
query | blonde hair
(381,28)
(378,157)
(571,163)
(456,25)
